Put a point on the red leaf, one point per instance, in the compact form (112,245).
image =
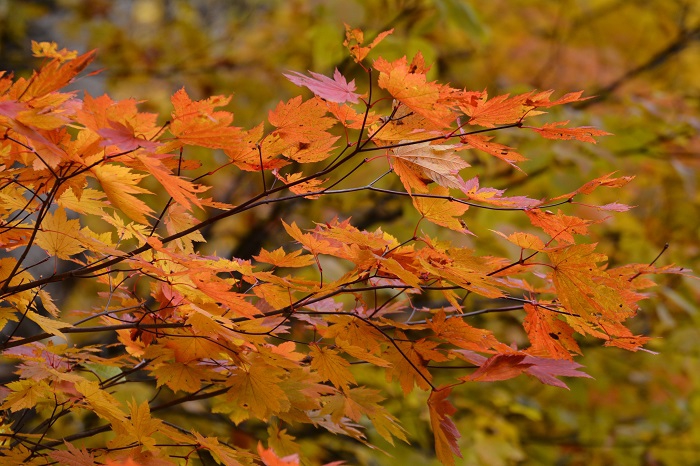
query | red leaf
(500,367)
(547,370)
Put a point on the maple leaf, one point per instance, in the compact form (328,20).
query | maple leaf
(494,196)
(524,240)
(90,201)
(444,429)
(555,131)
(392,266)
(505,153)
(125,462)
(419,163)
(354,38)
(52,326)
(504,366)
(279,258)
(459,333)
(122,136)
(73,456)
(461,267)
(441,211)
(222,454)
(180,376)
(589,187)
(408,362)
(330,366)
(119,184)
(269,458)
(26,394)
(407,83)
(56,74)
(541,99)
(197,123)
(498,110)
(300,122)
(314,151)
(182,191)
(310,186)
(559,226)
(547,370)
(349,118)
(59,236)
(279,440)
(101,402)
(549,334)
(334,90)
(257,389)
(498,367)
(50,50)
(586,289)
(613,207)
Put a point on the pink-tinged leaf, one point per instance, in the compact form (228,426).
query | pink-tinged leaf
(337,89)
(614,207)
(494,196)
(500,367)
(10,108)
(547,370)
(506,366)
(444,430)
(124,138)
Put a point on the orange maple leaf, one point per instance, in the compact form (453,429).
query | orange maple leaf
(407,83)
(198,124)
(354,38)
(589,187)
(444,429)
(549,334)
(300,122)
(559,226)
(483,143)
(499,110)
(555,131)
(585,289)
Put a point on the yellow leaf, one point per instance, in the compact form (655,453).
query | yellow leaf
(26,394)
(222,454)
(180,376)
(119,184)
(330,366)
(59,236)
(102,403)
(52,326)
(524,240)
(279,258)
(441,211)
(257,390)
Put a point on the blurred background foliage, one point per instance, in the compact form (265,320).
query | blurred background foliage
(639,57)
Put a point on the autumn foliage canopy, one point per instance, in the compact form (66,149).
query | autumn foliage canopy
(97,193)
